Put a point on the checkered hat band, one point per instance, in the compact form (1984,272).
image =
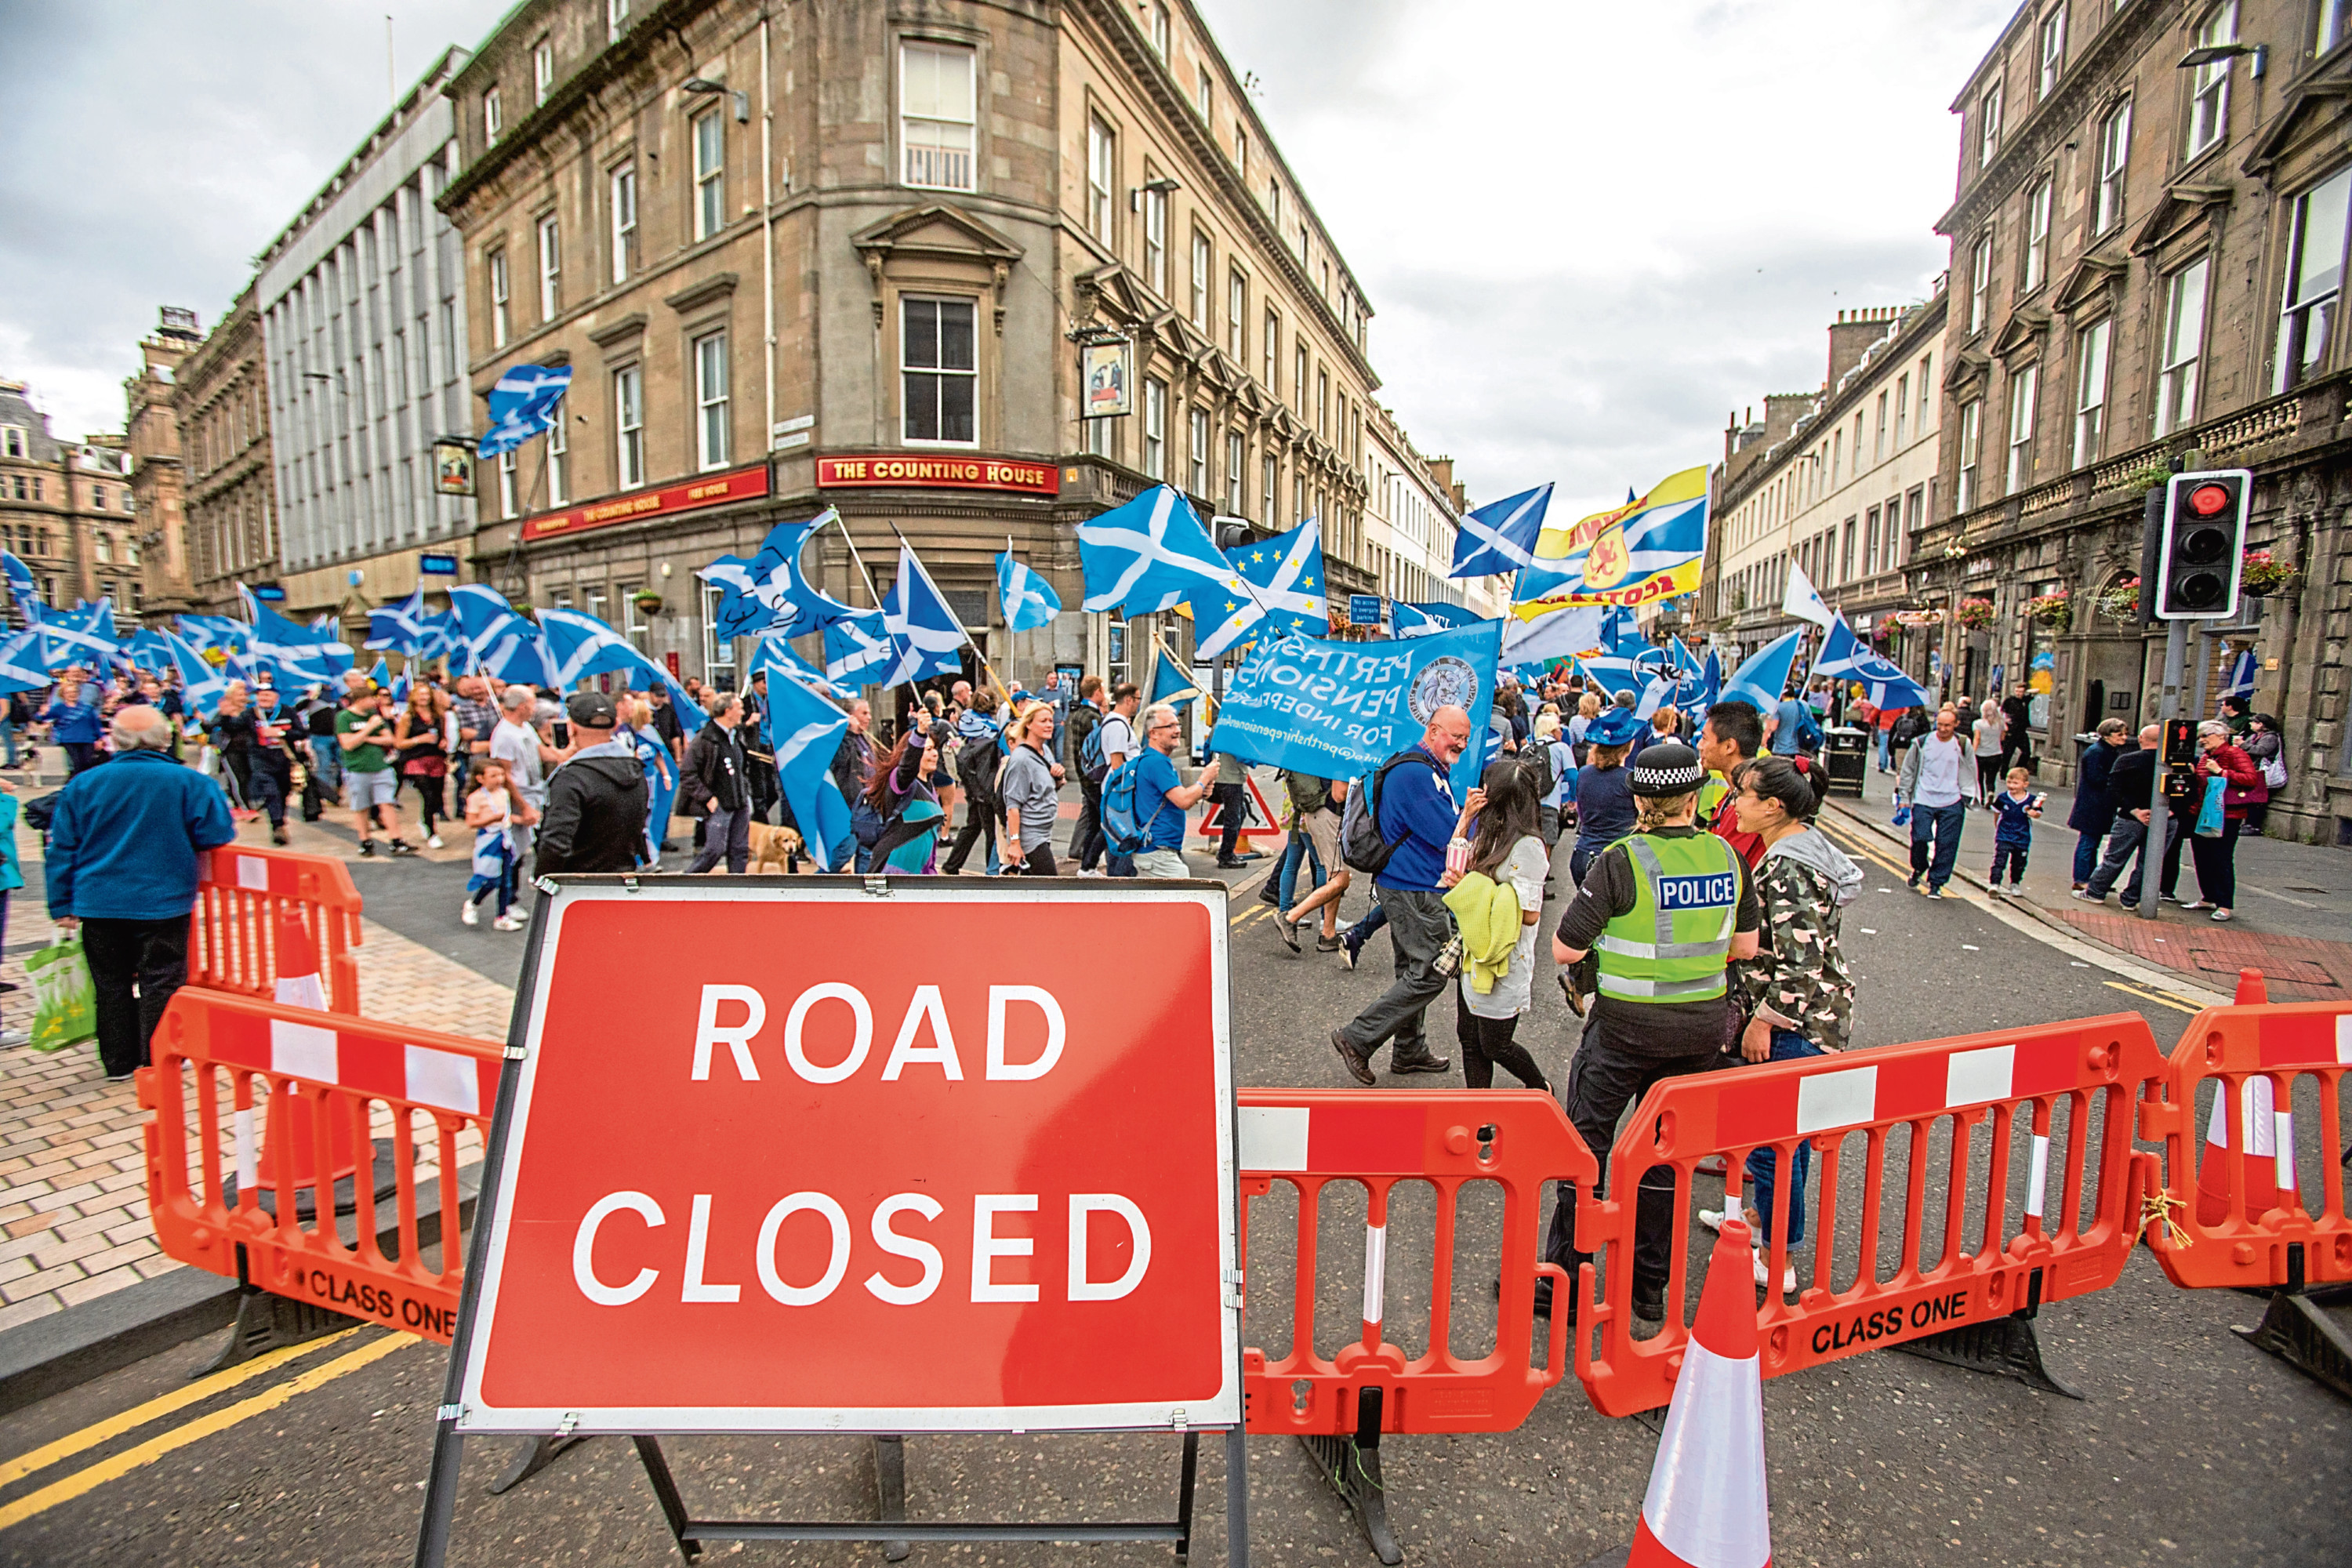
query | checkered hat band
(1669,780)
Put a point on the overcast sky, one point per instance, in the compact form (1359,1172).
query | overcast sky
(1589,231)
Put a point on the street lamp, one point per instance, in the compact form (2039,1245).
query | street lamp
(2214,54)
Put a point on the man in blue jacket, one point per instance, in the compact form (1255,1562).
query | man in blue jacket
(121,868)
(1418,819)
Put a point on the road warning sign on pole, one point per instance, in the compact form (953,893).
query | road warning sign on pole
(795,1157)
(1257,813)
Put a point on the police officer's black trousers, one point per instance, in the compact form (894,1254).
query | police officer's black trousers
(1602,1082)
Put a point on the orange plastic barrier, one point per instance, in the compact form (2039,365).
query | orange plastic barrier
(1976,1081)
(1516,1138)
(239,893)
(2234,1213)
(342,1069)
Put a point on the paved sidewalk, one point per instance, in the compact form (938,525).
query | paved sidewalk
(2294,903)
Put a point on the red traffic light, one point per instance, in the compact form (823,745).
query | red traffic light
(2207,500)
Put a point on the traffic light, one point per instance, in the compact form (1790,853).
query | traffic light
(2202,546)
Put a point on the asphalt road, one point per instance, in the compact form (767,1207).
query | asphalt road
(2192,1448)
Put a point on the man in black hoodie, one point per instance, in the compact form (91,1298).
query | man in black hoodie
(595,818)
(712,786)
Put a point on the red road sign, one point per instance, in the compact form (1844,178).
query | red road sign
(796,1158)
(1257,814)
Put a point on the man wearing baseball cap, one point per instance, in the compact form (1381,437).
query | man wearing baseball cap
(595,816)
(1664,911)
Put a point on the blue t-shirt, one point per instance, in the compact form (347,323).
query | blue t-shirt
(2011,825)
(1604,807)
(1417,817)
(1155,775)
(1793,716)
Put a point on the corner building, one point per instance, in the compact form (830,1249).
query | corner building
(2146,265)
(842,255)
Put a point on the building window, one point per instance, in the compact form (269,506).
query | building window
(1971,446)
(616,12)
(98,497)
(940,372)
(629,426)
(1323,404)
(2051,52)
(2333,16)
(1155,241)
(558,460)
(12,440)
(2115,151)
(1159,29)
(1870,542)
(624,222)
(2021,388)
(1102,177)
(709,174)
(2209,100)
(1269,473)
(1269,348)
(1879,432)
(1200,280)
(1235,460)
(1980,283)
(1204,96)
(717,652)
(710,419)
(1902,405)
(104,544)
(938,115)
(1846,550)
(2315,279)
(493,118)
(1155,429)
(2091,394)
(551,269)
(1241,154)
(1297,494)
(2183,333)
(633,621)
(1988,127)
(1236,316)
(1197,451)
(510,504)
(499,299)
(2037,236)
(542,71)
(1298,380)
(1920,426)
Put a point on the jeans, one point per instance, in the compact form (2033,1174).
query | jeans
(1232,803)
(978,821)
(2217,865)
(842,854)
(1886,750)
(266,792)
(2087,856)
(1943,822)
(1487,1044)
(2009,856)
(1300,853)
(153,955)
(1086,842)
(1419,925)
(1602,1082)
(1764,1164)
(1364,929)
(8,737)
(80,756)
(327,764)
(2130,836)
(728,834)
(503,884)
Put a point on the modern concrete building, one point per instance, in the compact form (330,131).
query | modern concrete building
(221,399)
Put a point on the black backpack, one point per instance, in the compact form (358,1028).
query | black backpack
(1362,842)
(976,765)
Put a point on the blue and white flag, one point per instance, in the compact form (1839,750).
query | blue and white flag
(381,675)
(1848,657)
(1338,710)
(1277,590)
(1562,633)
(1802,599)
(290,653)
(1151,554)
(498,641)
(858,649)
(774,654)
(1411,620)
(1501,535)
(805,730)
(2241,675)
(438,636)
(21,586)
(223,632)
(83,636)
(1763,675)
(400,628)
(526,401)
(925,637)
(1171,683)
(1628,660)
(1711,676)
(200,686)
(769,590)
(147,651)
(1028,599)
(20,663)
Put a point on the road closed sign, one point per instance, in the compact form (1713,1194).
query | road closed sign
(793,1157)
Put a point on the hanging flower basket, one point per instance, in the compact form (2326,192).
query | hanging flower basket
(2054,611)
(2262,576)
(648,602)
(2119,604)
(1974,614)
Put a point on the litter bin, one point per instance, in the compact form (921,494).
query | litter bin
(1847,749)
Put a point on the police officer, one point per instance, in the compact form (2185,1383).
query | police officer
(1664,911)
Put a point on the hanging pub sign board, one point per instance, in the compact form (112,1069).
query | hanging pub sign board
(860,1157)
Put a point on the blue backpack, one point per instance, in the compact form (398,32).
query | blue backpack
(1123,830)
(1092,765)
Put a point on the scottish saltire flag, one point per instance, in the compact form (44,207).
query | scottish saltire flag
(738,613)
(769,589)
(147,651)
(1556,633)
(856,649)
(1028,599)
(1848,657)
(1802,600)
(1501,535)
(200,686)
(222,632)
(437,635)
(805,730)
(400,628)
(292,653)
(1711,676)
(1626,660)
(1651,548)
(1277,586)
(525,401)
(579,645)
(1151,554)
(1448,614)
(83,636)
(775,655)
(495,639)
(925,637)
(381,675)
(1171,683)
(21,586)
(1763,675)
(2242,676)
(20,663)
(1411,620)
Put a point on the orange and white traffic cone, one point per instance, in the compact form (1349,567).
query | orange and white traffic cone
(303,1051)
(2265,1153)
(1706,1506)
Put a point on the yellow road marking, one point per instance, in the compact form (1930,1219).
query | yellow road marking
(17,1469)
(155,1447)
(2159,998)
(1863,843)
(1248,915)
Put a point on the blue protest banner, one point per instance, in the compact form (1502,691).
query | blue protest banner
(1338,710)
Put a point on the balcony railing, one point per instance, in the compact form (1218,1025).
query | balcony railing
(939,168)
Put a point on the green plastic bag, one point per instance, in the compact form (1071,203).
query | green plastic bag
(65,1001)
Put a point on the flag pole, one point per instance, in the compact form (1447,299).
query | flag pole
(1002,689)
(871,591)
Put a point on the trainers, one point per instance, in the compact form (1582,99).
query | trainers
(118,1077)
(506,922)
(2089,896)
(367,848)
(403,847)
(1327,945)
(1912,884)
(433,841)
(1764,1276)
(469,913)
(1713,1218)
(1350,946)
(1288,930)
(1935,893)
(1992,889)
(2224,915)
(1359,1066)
